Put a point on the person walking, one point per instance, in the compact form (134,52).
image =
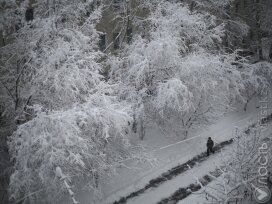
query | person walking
(210,144)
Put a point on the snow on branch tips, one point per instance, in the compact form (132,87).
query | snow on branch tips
(51,59)
(86,142)
(175,72)
(174,95)
(74,106)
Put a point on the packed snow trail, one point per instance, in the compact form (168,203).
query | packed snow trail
(201,198)
(184,192)
(172,173)
(171,186)
(182,180)
(130,180)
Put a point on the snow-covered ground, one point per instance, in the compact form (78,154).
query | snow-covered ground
(183,180)
(200,198)
(169,153)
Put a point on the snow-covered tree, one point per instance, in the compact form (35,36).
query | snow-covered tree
(52,59)
(174,74)
(207,87)
(75,125)
(257,79)
(87,142)
(75,130)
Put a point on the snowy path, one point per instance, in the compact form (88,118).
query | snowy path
(172,173)
(128,181)
(183,180)
(170,191)
(198,198)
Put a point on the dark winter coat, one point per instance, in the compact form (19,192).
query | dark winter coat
(210,143)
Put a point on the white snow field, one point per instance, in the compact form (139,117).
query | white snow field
(169,152)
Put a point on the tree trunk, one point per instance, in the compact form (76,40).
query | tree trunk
(185,133)
(270,53)
(249,99)
(245,106)
(142,129)
(134,124)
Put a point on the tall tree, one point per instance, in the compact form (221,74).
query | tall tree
(174,73)
(72,122)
